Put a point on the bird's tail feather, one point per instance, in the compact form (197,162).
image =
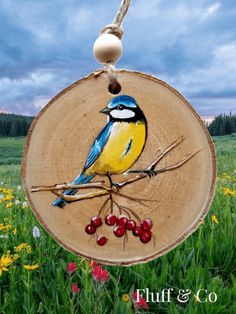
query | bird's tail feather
(81,179)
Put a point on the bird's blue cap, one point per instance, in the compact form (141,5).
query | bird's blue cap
(126,100)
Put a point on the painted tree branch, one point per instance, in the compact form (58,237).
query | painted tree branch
(101,189)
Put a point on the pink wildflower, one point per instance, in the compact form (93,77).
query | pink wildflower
(71,268)
(74,288)
(100,274)
(139,301)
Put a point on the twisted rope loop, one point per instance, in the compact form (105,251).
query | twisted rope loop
(115,29)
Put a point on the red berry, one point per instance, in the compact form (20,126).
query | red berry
(96,221)
(122,220)
(130,224)
(146,224)
(137,231)
(101,240)
(119,231)
(90,229)
(145,236)
(110,220)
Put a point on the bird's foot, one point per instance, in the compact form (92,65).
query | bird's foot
(150,173)
(116,185)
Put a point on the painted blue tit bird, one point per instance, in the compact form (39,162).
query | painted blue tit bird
(118,146)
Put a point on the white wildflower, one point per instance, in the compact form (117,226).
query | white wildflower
(24,204)
(36,232)
(19,188)
(17,202)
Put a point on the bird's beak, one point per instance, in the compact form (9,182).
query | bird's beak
(105,110)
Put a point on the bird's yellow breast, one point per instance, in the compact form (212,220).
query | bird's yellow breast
(122,149)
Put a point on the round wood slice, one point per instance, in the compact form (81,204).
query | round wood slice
(56,150)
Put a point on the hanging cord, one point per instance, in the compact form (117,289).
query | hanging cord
(115,29)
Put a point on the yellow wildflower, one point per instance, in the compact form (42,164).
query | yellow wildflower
(214,219)
(229,192)
(5,261)
(8,197)
(125,297)
(10,204)
(14,231)
(23,246)
(196,299)
(5,227)
(31,267)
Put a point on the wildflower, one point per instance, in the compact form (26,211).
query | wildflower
(36,232)
(139,301)
(5,261)
(214,219)
(227,191)
(125,297)
(74,288)
(17,202)
(31,267)
(5,227)
(23,246)
(19,188)
(24,204)
(1,196)
(14,231)
(92,264)
(8,205)
(100,274)
(71,268)
(196,299)
(8,197)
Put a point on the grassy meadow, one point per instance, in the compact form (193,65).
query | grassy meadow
(34,273)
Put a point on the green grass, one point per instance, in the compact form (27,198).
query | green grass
(205,260)
(11,150)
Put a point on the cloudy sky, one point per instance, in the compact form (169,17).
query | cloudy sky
(47,45)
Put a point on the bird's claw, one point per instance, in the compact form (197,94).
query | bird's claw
(150,173)
(116,185)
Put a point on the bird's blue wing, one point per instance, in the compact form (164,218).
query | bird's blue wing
(98,145)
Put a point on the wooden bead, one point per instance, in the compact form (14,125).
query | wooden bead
(107,48)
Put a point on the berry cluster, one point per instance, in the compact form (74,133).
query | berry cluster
(121,224)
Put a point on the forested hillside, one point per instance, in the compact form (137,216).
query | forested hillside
(14,125)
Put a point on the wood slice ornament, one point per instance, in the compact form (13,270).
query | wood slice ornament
(155,147)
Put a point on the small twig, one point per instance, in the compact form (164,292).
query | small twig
(177,164)
(70,186)
(103,206)
(132,212)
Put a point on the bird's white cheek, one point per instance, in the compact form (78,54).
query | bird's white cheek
(122,114)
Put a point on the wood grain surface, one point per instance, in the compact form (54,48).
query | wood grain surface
(57,146)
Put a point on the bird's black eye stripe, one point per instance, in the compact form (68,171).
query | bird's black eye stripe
(120,107)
